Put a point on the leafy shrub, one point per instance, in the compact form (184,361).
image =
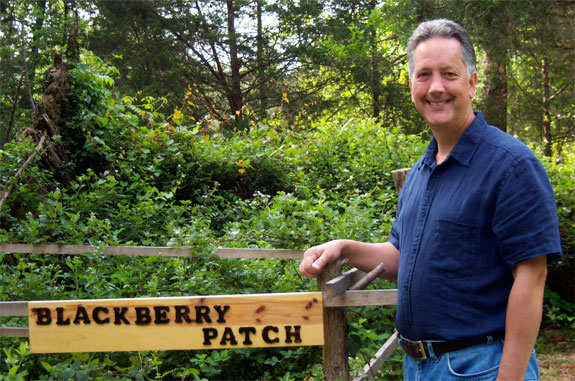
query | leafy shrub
(28,186)
(561,285)
(357,155)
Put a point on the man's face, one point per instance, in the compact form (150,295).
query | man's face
(440,85)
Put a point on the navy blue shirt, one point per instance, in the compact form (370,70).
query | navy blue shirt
(462,226)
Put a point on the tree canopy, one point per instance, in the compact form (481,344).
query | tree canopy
(238,61)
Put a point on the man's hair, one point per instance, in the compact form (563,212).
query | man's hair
(442,28)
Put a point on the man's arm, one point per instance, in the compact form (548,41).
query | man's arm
(524,312)
(361,255)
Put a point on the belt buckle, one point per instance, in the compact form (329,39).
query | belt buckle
(415,349)
(421,350)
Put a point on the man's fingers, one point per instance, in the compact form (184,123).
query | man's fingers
(317,257)
(308,266)
(320,263)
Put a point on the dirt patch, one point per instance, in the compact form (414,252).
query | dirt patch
(557,367)
(556,355)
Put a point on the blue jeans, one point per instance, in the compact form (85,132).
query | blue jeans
(479,362)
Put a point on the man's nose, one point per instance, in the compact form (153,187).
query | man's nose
(436,84)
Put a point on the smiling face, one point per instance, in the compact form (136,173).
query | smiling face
(441,88)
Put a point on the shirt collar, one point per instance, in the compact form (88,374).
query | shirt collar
(465,147)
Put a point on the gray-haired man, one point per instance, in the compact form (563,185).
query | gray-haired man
(475,225)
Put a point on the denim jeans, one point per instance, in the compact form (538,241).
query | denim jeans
(479,362)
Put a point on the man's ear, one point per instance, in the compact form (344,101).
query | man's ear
(472,85)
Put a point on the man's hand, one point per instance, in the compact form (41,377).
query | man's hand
(315,258)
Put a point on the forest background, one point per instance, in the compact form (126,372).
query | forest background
(242,123)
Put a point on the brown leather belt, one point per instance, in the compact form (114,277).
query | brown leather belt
(419,350)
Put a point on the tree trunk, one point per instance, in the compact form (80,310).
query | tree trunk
(48,116)
(260,55)
(25,72)
(546,112)
(10,126)
(426,10)
(495,90)
(235,96)
(375,75)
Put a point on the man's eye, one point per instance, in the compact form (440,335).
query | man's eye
(422,75)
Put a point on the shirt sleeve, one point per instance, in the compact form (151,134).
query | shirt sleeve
(395,233)
(394,236)
(525,219)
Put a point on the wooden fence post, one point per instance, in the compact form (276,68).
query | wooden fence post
(335,363)
(399,176)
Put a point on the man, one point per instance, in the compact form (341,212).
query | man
(476,222)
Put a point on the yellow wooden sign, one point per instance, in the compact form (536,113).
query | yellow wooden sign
(176,323)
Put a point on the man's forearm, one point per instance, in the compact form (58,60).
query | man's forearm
(524,312)
(366,256)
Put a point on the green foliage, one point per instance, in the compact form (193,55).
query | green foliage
(98,125)
(29,186)
(368,331)
(358,155)
(559,312)
(15,361)
(559,296)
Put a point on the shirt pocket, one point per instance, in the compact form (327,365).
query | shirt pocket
(454,248)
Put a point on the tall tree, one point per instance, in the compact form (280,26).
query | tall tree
(527,63)
(359,55)
(494,39)
(542,82)
(229,53)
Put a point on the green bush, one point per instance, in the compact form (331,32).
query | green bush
(561,284)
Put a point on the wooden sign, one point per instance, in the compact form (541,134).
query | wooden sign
(176,323)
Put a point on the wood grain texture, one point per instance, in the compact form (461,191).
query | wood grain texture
(176,323)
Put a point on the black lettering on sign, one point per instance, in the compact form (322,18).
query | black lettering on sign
(209,335)
(228,336)
(203,312)
(82,316)
(60,317)
(266,334)
(119,315)
(96,315)
(143,316)
(296,334)
(43,316)
(161,314)
(221,312)
(182,313)
(247,331)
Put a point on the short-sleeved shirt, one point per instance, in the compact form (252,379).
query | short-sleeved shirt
(462,226)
